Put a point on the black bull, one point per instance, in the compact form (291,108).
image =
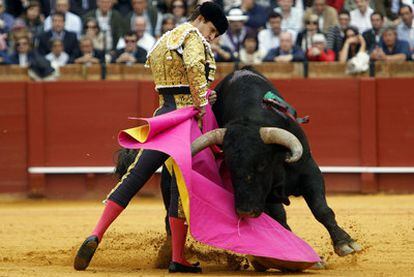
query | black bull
(263,171)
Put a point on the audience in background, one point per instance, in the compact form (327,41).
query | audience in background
(318,52)
(304,38)
(269,38)
(373,36)
(361,16)
(250,53)
(73,22)
(326,16)
(354,44)
(257,14)
(221,53)
(145,40)
(237,31)
(132,53)
(110,22)
(82,7)
(88,55)
(391,49)
(70,41)
(32,18)
(6,19)
(168,23)
(57,57)
(286,52)
(92,30)
(152,16)
(405,29)
(179,10)
(336,34)
(291,16)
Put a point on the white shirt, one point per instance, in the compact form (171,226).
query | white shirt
(73,23)
(293,22)
(147,42)
(23,60)
(267,40)
(105,25)
(362,21)
(59,61)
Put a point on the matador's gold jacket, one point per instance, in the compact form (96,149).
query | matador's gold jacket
(183,58)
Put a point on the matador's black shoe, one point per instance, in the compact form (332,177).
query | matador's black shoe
(85,253)
(177,267)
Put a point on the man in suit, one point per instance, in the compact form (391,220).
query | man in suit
(70,41)
(132,53)
(88,55)
(327,16)
(110,22)
(81,7)
(373,36)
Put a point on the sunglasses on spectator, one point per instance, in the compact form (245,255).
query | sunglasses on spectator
(21,44)
(178,6)
(91,27)
(311,22)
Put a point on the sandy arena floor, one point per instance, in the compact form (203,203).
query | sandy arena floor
(40,238)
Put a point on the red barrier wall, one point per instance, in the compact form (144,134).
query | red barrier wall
(354,122)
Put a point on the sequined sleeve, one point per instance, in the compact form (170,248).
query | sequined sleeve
(194,61)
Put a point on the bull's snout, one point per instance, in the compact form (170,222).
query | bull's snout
(253,213)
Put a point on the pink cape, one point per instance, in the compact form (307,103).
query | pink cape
(208,205)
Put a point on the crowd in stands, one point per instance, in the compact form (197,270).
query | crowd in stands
(47,34)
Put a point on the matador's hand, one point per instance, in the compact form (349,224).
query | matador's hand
(212,98)
(201,112)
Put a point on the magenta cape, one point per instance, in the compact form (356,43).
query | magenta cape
(208,205)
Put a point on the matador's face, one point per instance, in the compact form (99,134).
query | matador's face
(208,30)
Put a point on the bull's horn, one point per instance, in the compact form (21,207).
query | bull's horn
(212,137)
(275,135)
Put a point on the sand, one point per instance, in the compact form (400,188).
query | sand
(40,238)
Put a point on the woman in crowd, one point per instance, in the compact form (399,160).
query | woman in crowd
(179,10)
(33,18)
(250,53)
(354,44)
(304,38)
(92,30)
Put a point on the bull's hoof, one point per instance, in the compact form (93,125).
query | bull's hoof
(347,248)
(319,265)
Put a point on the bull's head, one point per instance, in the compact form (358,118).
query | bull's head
(251,161)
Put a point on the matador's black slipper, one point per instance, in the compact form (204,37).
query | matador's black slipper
(85,253)
(177,267)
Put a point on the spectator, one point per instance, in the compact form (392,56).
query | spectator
(318,52)
(336,34)
(179,10)
(304,38)
(327,16)
(221,53)
(81,7)
(33,19)
(4,58)
(391,49)
(57,57)
(405,29)
(70,41)
(73,23)
(17,7)
(168,23)
(257,14)
(110,22)
(132,53)
(236,32)
(291,16)
(269,38)
(250,53)
(6,19)
(286,52)
(373,36)
(123,7)
(88,55)
(337,4)
(25,57)
(145,40)
(92,30)
(354,44)
(151,15)
(361,16)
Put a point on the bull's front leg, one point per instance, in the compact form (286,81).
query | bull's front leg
(314,194)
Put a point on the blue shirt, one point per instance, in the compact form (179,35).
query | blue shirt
(406,33)
(400,47)
(296,52)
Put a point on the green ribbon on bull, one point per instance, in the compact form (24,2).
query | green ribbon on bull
(275,98)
